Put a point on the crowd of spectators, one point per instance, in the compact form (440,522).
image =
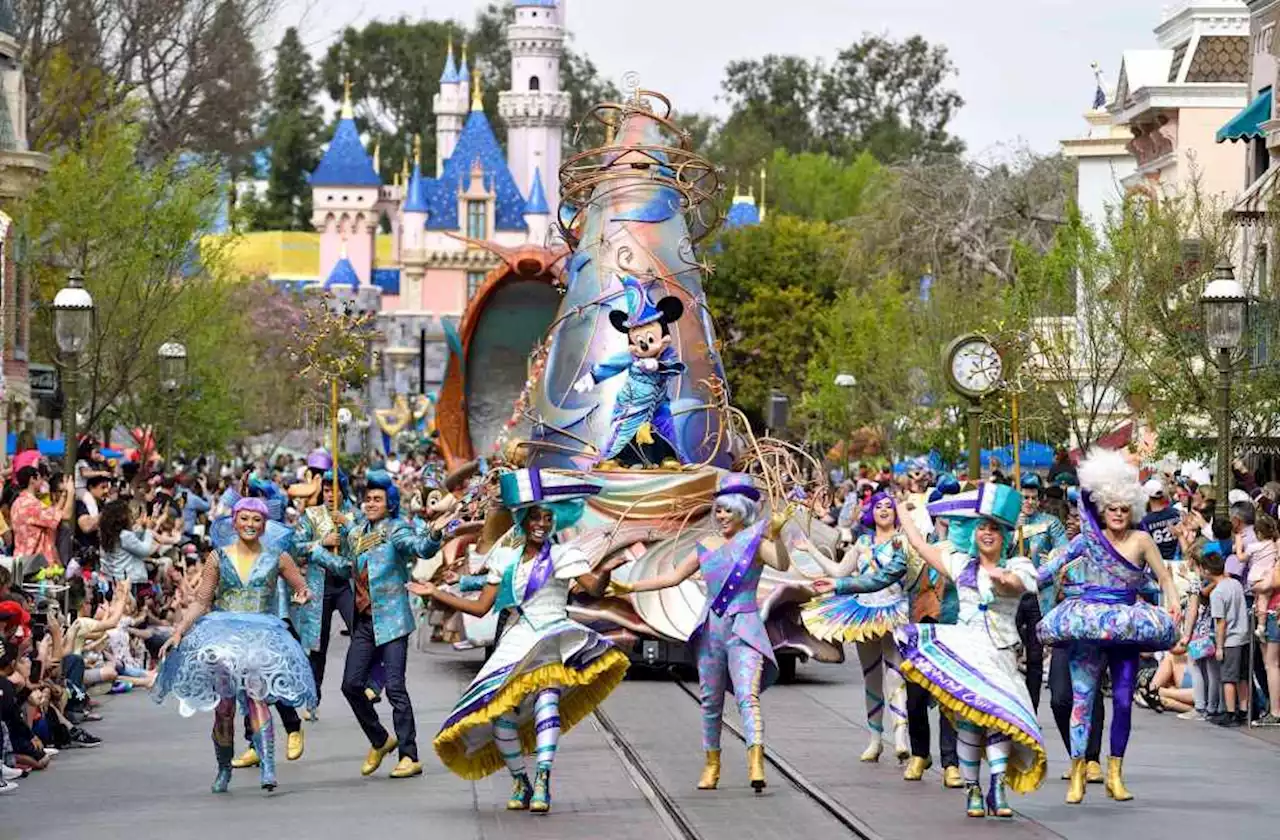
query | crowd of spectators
(95,571)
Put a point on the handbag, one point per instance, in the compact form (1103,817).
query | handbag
(1201,648)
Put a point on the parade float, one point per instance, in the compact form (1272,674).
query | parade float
(628,385)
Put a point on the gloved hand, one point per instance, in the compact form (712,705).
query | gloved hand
(586,383)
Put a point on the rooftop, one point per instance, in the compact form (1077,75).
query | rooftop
(345,162)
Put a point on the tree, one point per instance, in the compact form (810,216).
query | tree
(190,66)
(1065,327)
(133,232)
(292,135)
(889,98)
(820,187)
(769,285)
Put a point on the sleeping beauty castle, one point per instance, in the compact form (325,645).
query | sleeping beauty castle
(450,242)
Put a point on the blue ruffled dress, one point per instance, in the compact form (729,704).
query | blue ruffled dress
(240,648)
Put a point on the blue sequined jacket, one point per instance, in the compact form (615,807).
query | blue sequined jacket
(387,549)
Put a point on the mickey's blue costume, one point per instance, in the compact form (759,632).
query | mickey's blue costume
(644,401)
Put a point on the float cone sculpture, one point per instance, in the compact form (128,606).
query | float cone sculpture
(632,211)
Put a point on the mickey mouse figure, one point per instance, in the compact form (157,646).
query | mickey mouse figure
(643,404)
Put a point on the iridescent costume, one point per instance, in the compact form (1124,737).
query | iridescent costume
(731,643)
(865,609)
(240,651)
(971,667)
(547,672)
(1104,624)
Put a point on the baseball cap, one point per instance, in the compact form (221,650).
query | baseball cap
(1154,488)
(1237,495)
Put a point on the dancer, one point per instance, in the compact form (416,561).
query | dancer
(240,651)
(547,671)
(933,600)
(379,551)
(732,645)
(1039,535)
(277,538)
(971,668)
(1106,625)
(1067,583)
(318,528)
(864,605)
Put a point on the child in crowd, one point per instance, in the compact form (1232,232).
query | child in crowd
(1260,557)
(1231,638)
(1197,637)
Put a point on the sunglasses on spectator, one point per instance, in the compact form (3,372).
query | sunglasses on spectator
(1118,508)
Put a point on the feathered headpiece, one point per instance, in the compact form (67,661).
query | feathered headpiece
(1107,478)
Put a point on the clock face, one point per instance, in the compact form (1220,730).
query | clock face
(976,367)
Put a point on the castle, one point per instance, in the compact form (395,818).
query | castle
(430,265)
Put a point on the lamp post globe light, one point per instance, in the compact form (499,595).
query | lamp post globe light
(173,366)
(1226,309)
(173,376)
(72,329)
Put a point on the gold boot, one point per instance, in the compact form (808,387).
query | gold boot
(710,772)
(951,777)
(873,750)
(755,766)
(1115,780)
(248,758)
(374,760)
(1075,787)
(296,745)
(1093,773)
(915,768)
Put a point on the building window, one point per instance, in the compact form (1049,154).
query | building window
(535,83)
(477,220)
(1262,43)
(475,279)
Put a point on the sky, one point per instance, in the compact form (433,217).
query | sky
(1023,66)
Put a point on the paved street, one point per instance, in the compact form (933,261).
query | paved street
(150,778)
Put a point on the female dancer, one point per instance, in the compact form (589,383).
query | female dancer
(1102,622)
(864,605)
(547,672)
(730,640)
(971,667)
(241,650)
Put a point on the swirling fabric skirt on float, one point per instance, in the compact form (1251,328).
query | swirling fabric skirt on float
(974,681)
(226,653)
(584,665)
(854,618)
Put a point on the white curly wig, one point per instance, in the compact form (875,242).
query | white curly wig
(1111,480)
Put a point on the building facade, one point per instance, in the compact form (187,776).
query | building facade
(1173,99)
(20,171)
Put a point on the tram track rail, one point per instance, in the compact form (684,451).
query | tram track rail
(674,819)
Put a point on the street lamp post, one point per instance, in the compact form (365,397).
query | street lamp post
(847,381)
(173,375)
(72,329)
(1225,309)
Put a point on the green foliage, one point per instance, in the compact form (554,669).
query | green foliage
(132,231)
(770,284)
(821,187)
(292,134)
(884,97)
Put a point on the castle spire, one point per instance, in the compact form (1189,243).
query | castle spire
(417,150)
(464,72)
(477,95)
(377,156)
(347,111)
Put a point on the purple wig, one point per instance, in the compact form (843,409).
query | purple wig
(252,504)
(868,519)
